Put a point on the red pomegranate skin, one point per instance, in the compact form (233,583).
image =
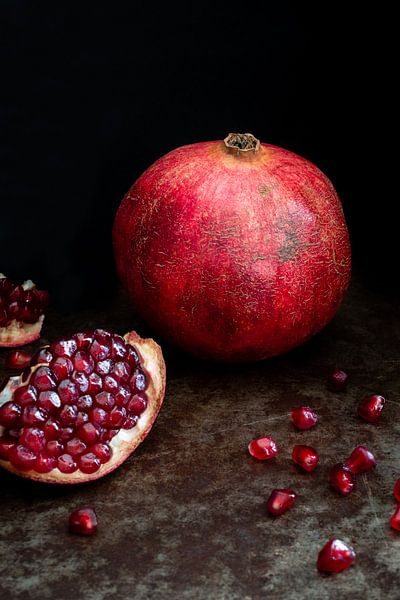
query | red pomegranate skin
(232,255)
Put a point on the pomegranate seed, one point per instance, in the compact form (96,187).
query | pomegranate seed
(341,479)
(280,501)
(83,521)
(68,391)
(99,351)
(18,360)
(118,348)
(81,419)
(306,457)
(88,433)
(45,463)
(138,404)
(41,297)
(105,400)
(54,448)
(132,357)
(103,336)
(98,415)
(89,463)
(103,367)
(117,417)
(121,371)
(33,415)
(62,367)
(396,490)
(33,438)
(130,422)
(22,458)
(43,379)
(75,447)
(370,409)
(337,380)
(123,395)
(138,381)
(110,384)
(83,362)
(49,401)
(81,381)
(43,356)
(304,417)
(108,434)
(10,414)
(68,414)
(102,451)
(51,429)
(395,519)
(64,348)
(263,448)
(335,556)
(66,464)
(66,434)
(24,395)
(83,340)
(360,460)
(84,402)
(5,446)
(95,383)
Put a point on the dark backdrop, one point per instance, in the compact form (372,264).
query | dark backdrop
(92,93)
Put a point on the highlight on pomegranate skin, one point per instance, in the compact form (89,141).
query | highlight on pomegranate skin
(83,521)
(21,312)
(304,417)
(335,556)
(280,501)
(370,409)
(263,448)
(81,409)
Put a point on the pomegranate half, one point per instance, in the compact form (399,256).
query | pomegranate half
(82,407)
(21,312)
(234,250)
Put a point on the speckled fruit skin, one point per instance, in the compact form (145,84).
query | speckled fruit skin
(233,255)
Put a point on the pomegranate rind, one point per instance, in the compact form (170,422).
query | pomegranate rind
(126,441)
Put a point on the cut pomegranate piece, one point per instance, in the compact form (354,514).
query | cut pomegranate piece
(18,360)
(370,409)
(360,460)
(396,490)
(21,312)
(306,457)
(337,380)
(304,417)
(263,448)
(395,519)
(341,479)
(83,521)
(62,423)
(280,501)
(335,556)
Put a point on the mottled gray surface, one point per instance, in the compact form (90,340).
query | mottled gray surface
(184,517)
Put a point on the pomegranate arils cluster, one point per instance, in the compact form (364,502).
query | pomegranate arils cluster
(370,409)
(342,476)
(81,393)
(335,556)
(263,448)
(304,417)
(23,303)
(280,501)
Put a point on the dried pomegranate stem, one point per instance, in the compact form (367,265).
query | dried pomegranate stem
(241,143)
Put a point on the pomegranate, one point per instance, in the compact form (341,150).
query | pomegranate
(341,479)
(263,448)
(21,312)
(396,490)
(83,521)
(305,457)
(18,360)
(280,501)
(360,460)
(81,410)
(234,250)
(335,556)
(304,417)
(337,381)
(370,409)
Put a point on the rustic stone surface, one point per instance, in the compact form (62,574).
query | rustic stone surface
(185,516)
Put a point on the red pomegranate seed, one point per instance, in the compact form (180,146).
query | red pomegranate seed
(116,417)
(139,380)
(45,463)
(370,409)
(263,448)
(335,556)
(138,404)
(5,446)
(84,402)
(304,417)
(280,501)
(83,362)
(50,401)
(33,415)
(51,429)
(22,458)
(83,340)
(132,357)
(75,447)
(98,416)
(66,434)
(88,433)
(395,519)
(66,464)
(396,490)
(118,348)
(99,351)
(360,460)
(18,360)
(105,400)
(10,414)
(130,422)
(68,414)
(43,356)
(83,521)
(121,371)
(95,383)
(103,367)
(89,463)
(337,381)
(62,367)
(102,451)
(24,395)
(33,438)
(54,448)
(68,391)
(81,381)
(81,419)
(341,479)
(306,457)
(64,347)
(43,379)
(110,384)
(123,395)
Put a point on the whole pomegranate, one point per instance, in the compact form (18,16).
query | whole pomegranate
(234,250)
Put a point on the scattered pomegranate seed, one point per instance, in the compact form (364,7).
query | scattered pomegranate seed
(341,479)
(83,521)
(18,360)
(304,417)
(370,409)
(395,519)
(263,448)
(280,501)
(396,490)
(335,556)
(337,380)
(360,460)
(306,457)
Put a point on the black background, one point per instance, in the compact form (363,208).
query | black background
(92,94)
